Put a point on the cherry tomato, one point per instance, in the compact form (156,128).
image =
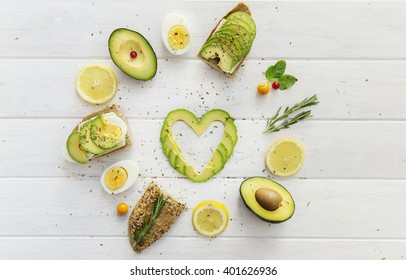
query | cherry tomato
(133,54)
(122,208)
(263,88)
(275,85)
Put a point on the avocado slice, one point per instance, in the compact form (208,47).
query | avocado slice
(220,156)
(86,141)
(242,31)
(223,150)
(103,133)
(217,162)
(75,150)
(241,17)
(168,145)
(234,37)
(227,141)
(267,199)
(228,46)
(231,130)
(245,41)
(122,43)
(172,158)
(214,166)
(225,60)
(195,176)
(179,164)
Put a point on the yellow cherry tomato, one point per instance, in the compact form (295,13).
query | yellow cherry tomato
(263,88)
(122,208)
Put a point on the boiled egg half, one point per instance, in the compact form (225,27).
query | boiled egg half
(115,126)
(175,34)
(119,176)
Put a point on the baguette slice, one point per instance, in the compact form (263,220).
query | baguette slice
(115,109)
(241,7)
(142,212)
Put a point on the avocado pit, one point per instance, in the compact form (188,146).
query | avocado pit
(268,199)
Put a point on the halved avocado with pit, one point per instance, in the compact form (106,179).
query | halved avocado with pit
(123,43)
(267,199)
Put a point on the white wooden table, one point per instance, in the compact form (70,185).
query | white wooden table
(350,194)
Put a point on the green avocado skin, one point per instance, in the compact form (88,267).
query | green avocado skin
(292,205)
(123,38)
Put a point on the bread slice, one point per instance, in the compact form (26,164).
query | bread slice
(114,109)
(142,212)
(241,7)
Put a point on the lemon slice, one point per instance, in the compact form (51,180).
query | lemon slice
(285,157)
(210,218)
(96,83)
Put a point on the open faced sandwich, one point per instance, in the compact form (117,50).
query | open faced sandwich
(230,41)
(153,215)
(98,134)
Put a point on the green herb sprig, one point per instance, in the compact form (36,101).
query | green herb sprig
(271,125)
(276,73)
(156,209)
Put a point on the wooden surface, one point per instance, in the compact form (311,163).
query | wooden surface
(350,194)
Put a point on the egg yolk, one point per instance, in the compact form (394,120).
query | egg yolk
(115,178)
(178,37)
(112,130)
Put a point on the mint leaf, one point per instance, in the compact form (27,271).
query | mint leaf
(275,71)
(286,81)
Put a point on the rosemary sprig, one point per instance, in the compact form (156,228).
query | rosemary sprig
(156,209)
(271,125)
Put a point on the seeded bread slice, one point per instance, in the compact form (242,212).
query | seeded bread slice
(115,109)
(241,7)
(142,212)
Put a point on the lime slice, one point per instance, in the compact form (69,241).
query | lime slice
(285,157)
(210,218)
(96,83)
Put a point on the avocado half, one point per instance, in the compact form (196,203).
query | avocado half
(267,199)
(122,43)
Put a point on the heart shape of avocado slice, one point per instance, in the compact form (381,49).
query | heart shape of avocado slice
(220,156)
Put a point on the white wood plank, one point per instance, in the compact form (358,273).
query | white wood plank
(347,90)
(324,208)
(364,149)
(284,29)
(351,53)
(213,249)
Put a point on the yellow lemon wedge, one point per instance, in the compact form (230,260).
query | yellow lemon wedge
(96,83)
(210,218)
(285,157)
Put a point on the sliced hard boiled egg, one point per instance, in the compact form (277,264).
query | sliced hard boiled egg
(175,34)
(119,176)
(112,118)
